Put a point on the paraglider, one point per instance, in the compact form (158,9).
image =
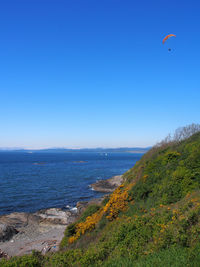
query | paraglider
(166,38)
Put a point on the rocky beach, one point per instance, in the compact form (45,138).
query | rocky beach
(21,232)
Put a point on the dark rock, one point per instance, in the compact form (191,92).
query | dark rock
(3,255)
(7,232)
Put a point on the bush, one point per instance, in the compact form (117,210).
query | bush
(71,229)
(23,261)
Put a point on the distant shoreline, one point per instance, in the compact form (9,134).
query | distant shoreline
(136,152)
(65,150)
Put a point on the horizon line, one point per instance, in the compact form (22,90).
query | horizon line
(73,148)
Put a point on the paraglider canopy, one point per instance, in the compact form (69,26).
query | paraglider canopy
(167,37)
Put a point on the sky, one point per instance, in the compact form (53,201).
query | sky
(95,73)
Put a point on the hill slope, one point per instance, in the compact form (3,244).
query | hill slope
(153,219)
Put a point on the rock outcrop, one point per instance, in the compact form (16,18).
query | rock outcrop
(109,185)
(55,216)
(19,219)
(20,232)
(7,232)
(82,205)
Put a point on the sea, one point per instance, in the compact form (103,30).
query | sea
(33,181)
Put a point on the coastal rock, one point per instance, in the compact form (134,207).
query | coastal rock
(55,216)
(18,219)
(108,185)
(7,232)
(41,231)
(3,255)
(82,205)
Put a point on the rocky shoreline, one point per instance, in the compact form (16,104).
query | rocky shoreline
(109,185)
(21,232)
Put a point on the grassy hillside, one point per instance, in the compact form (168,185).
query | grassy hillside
(153,219)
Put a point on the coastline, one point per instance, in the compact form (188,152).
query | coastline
(108,185)
(21,232)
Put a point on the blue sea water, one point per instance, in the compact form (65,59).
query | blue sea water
(30,182)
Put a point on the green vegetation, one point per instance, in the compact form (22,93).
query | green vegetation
(153,219)
(71,229)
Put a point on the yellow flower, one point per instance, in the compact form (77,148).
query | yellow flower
(118,202)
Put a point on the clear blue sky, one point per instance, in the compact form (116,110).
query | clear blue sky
(93,73)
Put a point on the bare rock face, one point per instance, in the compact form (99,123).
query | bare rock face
(55,216)
(12,224)
(18,219)
(81,206)
(7,232)
(108,185)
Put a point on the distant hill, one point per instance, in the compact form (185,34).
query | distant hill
(63,150)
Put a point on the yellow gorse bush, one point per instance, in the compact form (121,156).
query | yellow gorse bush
(144,177)
(118,202)
(89,224)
